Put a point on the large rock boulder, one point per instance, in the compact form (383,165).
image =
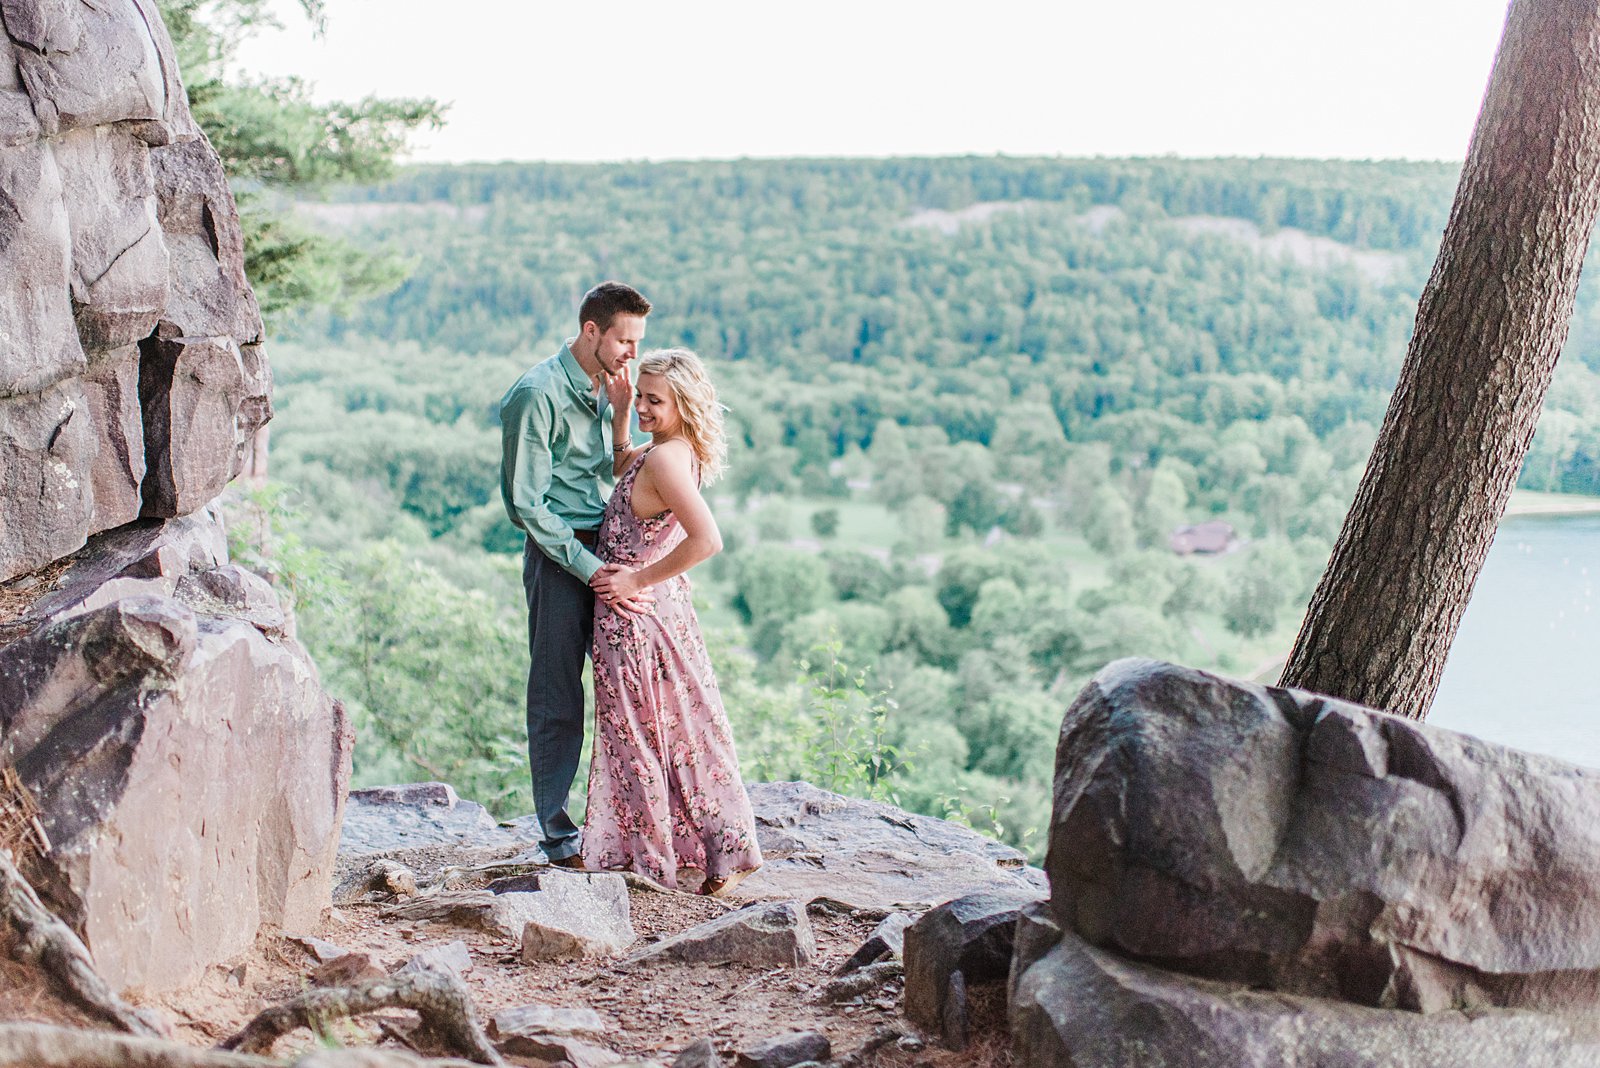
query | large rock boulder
(960,944)
(762,935)
(1309,845)
(1081,1006)
(131,376)
(189,769)
(568,915)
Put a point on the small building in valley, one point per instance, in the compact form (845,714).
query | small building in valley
(1211,538)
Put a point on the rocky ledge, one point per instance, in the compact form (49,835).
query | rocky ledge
(188,769)
(854,853)
(1244,875)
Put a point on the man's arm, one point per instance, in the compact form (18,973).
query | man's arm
(527,434)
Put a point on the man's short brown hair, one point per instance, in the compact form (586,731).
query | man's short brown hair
(608,300)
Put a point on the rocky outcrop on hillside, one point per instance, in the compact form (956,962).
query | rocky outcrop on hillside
(1244,875)
(131,376)
(188,768)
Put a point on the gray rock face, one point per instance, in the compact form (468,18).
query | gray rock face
(130,371)
(452,958)
(784,1051)
(570,915)
(887,942)
(231,590)
(558,1049)
(347,969)
(190,770)
(962,942)
(763,935)
(1080,1006)
(1307,845)
(546,1020)
(699,1054)
(143,559)
(868,854)
(209,296)
(403,817)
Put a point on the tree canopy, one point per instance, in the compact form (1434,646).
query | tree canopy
(276,142)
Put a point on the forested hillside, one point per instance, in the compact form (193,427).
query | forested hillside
(972,399)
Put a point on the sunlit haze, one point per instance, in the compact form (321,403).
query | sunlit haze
(720,79)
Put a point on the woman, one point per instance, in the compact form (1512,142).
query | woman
(664,786)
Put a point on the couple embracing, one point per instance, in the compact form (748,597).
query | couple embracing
(603,571)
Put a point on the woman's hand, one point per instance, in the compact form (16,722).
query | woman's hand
(619,390)
(619,586)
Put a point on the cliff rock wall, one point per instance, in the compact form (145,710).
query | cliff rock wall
(131,376)
(190,770)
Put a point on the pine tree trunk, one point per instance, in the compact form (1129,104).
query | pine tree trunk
(1490,326)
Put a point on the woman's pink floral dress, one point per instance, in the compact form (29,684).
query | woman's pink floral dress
(664,785)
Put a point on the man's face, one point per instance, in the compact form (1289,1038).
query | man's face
(619,343)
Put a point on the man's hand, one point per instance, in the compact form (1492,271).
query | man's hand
(619,390)
(619,586)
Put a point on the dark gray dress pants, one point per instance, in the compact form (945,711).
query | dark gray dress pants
(560,626)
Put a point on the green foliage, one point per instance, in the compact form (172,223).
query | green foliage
(290,266)
(775,520)
(829,727)
(857,575)
(264,536)
(1013,735)
(1082,382)
(433,674)
(774,581)
(825,522)
(1165,506)
(1108,521)
(961,578)
(918,625)
(854,631)
(1269,576)
(848,727)
(274,140)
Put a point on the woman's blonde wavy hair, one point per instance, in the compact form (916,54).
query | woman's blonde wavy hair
(698,406)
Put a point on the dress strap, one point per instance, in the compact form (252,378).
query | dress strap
(637,460)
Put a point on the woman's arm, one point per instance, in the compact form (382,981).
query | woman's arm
(668,474)
(619,391)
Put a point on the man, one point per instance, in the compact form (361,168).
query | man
(555,477)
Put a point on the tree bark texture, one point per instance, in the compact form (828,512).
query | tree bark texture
(1490,326)
(35,1045)
(441,1000)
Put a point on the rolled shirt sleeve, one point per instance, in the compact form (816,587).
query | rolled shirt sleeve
(528,429)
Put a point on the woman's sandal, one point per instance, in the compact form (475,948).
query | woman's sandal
(721,886)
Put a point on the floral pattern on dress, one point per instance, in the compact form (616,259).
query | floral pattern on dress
(664,785)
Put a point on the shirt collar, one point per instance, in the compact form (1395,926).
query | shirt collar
(575,373)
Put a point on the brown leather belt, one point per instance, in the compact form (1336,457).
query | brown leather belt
(591,538)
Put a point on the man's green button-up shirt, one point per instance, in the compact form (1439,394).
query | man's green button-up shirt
(555,460)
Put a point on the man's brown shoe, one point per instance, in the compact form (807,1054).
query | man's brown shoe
(574,862)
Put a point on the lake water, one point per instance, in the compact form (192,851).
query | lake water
(1525,667)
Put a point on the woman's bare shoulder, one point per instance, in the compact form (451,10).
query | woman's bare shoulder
(670,456)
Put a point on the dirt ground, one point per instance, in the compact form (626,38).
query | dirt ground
(652,1011)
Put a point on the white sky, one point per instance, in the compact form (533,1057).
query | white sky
(531,79)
